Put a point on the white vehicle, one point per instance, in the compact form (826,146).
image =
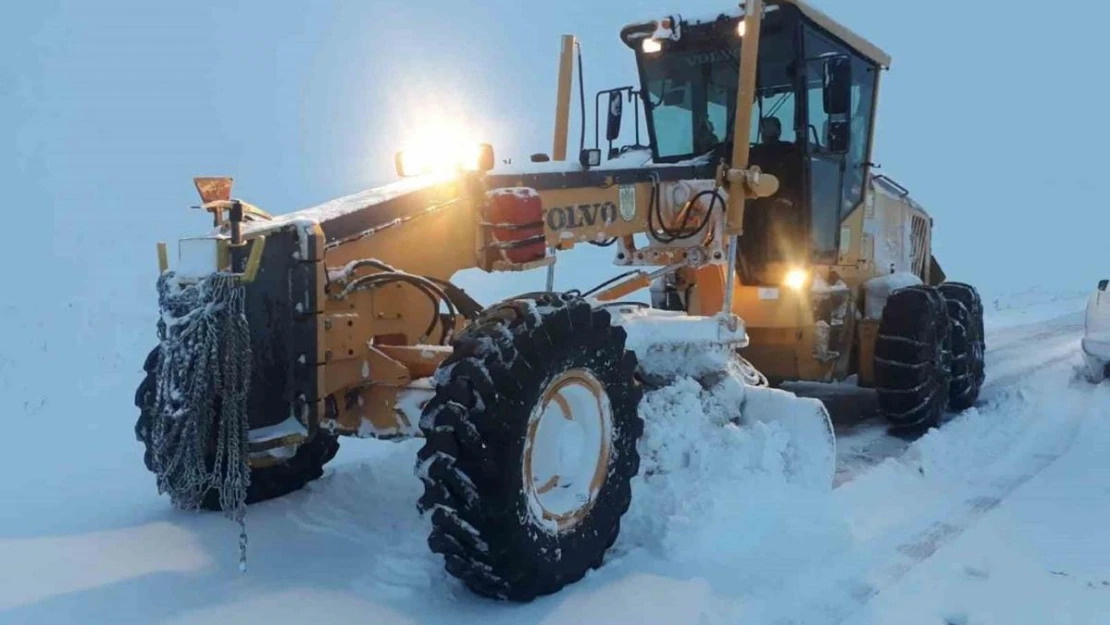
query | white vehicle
(1096,333)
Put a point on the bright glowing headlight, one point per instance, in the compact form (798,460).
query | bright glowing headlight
(431,159)
(651,46)
(742,28)
(796,279)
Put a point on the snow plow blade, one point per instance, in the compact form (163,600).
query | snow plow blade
(671,346)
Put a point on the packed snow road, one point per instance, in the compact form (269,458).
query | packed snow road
(992,513)
(1014,353)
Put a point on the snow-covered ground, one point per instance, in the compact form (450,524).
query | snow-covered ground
(998,517)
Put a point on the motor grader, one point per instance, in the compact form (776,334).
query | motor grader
(751,217)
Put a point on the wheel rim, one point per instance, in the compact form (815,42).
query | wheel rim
(566,454)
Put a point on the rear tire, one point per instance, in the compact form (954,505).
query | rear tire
(965,311)
(912,359)
(270,482)
(489,440)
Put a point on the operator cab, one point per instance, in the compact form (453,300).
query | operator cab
(811,121)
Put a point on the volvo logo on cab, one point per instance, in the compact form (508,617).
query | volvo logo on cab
(581,215)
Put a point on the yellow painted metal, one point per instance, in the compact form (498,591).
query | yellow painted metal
(253,260)
(865,47)
(384,328)
(868,331)
(562,99)
(741,125)
(640,280)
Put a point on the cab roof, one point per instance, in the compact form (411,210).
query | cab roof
(639,30)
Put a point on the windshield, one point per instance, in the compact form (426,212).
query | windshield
(691,89)
(691,95)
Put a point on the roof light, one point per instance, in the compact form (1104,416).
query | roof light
(446,157)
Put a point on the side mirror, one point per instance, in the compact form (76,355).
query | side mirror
(616,113)
(837,89)
(837,96)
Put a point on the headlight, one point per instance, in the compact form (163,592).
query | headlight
(796,279)
(651,46)
(444,158)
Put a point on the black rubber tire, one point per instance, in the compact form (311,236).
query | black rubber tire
(271,482)
(912,359)
(965,312)
(475,430)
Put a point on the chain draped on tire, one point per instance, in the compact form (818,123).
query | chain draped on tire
(483,446)
(913,359)
(965,310)
(269,482)
(197,426)
(192,406)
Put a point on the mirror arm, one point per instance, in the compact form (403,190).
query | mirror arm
(597,117)
(636,112)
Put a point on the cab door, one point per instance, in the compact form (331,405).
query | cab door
(839,88)
(827,125)
(826,147)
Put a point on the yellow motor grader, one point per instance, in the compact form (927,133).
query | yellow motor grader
(752,217)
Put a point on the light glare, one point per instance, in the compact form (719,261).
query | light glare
(442,149)
(651,46)
(796,279)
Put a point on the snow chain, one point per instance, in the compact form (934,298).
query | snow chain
(202,383)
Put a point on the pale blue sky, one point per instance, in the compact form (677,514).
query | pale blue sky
(108,109)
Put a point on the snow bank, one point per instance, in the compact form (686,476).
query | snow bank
(728,471)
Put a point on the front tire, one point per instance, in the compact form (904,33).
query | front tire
(912,359)
(530,446)
(266,483)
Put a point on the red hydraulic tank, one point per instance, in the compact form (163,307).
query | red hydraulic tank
(514,222)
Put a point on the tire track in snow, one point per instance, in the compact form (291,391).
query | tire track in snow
(838,589)
(842,596)
(830,596)
(908,554)
(866,444)
(1014,337)
(1054,347)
